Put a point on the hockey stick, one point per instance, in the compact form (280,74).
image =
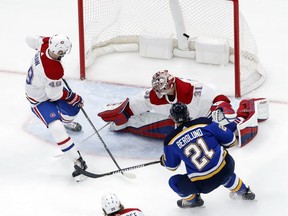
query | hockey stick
(61,154)
(129,175)
(95,132)
(94,175)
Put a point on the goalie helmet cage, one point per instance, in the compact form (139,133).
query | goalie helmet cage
(107,26)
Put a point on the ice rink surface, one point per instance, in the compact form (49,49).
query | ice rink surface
(35,177)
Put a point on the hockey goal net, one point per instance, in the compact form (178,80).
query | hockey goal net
(107,26)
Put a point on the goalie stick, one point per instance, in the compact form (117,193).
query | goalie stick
(129,175)
(95,175)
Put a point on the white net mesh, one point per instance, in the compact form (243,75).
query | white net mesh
(116,22)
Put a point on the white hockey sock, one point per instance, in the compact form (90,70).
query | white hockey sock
(63,140)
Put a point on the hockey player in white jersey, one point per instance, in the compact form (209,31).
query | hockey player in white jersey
(112,206)
(50,101)
(148,115)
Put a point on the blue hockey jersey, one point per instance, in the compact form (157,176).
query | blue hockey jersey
(200,144)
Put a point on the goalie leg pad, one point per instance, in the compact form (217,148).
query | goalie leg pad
(119,113)
(247,131)
(262,106)
(147,124)
(156,130)
(248,128)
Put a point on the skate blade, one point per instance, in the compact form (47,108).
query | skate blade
(80,178)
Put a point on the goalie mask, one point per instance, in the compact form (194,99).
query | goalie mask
(179,113)
(162,83)
(60,44)
(110,203)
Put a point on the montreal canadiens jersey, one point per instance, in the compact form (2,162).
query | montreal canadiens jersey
(197,96)
(200,145)
(131,212)
(44,77)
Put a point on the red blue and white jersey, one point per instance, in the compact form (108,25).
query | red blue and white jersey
(196,95)
(200,144)
(130,212)
(44,78)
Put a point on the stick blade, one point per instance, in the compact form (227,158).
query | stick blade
(129,175)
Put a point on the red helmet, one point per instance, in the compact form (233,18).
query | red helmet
(162,83)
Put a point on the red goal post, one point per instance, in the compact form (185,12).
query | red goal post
(104,25)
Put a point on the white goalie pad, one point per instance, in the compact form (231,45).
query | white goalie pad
(262,107)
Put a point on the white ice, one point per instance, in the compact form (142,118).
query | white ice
(36,179)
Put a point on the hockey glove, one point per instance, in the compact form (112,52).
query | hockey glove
(221,110)
(119,113)
(223,113)
(74,99)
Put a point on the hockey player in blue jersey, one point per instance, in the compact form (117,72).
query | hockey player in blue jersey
(202,145)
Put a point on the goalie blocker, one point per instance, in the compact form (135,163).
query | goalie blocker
(119,113)
(155,125)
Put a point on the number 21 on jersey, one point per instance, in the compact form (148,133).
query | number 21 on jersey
(195,150)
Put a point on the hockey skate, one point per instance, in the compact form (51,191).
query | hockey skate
(82,164)
(73,126)
(196,202)
(246,195)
